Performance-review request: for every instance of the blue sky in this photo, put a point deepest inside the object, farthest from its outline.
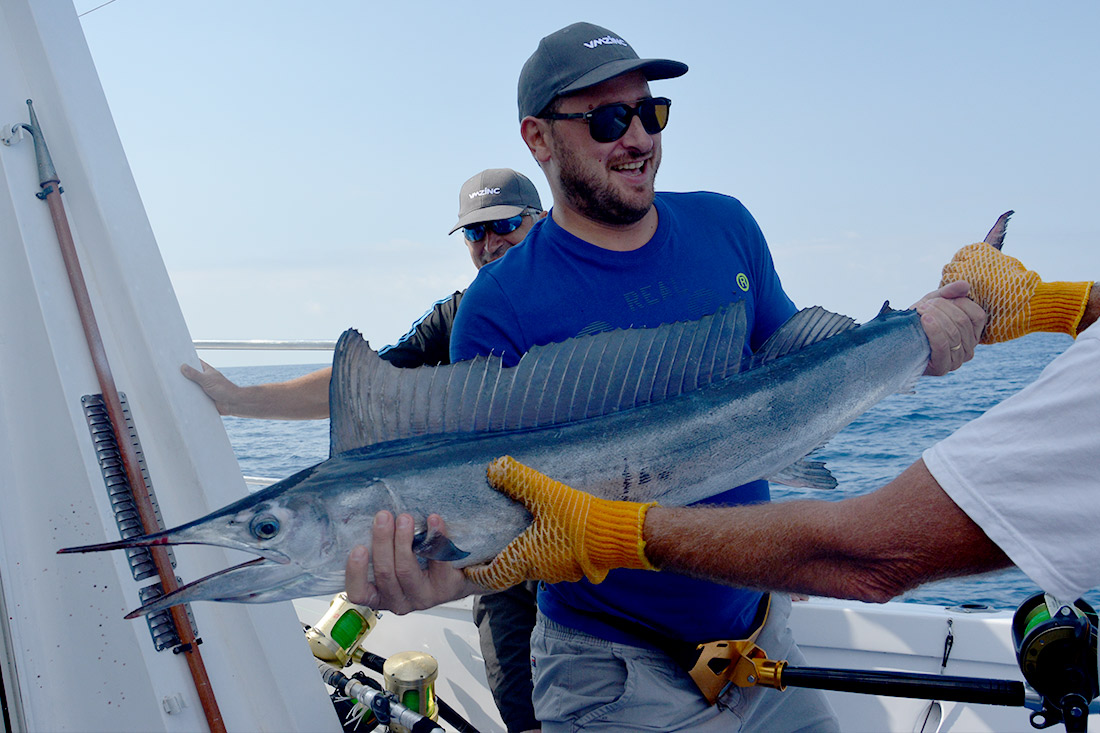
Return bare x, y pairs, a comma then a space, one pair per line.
300, 162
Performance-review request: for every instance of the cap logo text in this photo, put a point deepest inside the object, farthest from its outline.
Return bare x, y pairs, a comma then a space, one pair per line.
606, 40
485, 192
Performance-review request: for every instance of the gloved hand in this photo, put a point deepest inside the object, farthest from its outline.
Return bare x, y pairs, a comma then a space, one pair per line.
573, 535
1017, 300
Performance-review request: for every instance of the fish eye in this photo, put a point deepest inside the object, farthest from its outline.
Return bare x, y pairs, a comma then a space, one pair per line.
264, 527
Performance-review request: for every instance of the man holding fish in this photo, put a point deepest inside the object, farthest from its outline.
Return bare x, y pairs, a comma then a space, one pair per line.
615, 254
976, 501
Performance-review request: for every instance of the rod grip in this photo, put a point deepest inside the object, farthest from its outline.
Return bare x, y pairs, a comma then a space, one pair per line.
908, 684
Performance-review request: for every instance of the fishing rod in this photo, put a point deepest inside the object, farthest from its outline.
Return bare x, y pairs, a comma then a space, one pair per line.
1056, 648
51, 192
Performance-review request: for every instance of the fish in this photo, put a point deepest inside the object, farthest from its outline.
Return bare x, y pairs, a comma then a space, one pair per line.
996, 236
673, 414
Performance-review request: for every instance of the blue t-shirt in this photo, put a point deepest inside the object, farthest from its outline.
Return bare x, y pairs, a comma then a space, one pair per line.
707, 251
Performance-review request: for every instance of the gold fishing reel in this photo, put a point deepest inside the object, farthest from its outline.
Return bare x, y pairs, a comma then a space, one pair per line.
410, 676
336, 637
409, 694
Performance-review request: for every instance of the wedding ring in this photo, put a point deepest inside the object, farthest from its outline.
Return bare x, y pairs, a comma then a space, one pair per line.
956, 347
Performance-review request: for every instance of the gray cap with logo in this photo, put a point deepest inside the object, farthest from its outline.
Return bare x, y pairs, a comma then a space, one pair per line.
497, 193
579, 56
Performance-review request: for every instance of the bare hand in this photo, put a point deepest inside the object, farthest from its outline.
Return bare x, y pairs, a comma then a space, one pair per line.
216, 386
400, 584
953, 324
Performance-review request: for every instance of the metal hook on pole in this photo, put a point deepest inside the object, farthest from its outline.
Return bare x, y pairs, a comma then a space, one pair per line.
51, 191
11, 134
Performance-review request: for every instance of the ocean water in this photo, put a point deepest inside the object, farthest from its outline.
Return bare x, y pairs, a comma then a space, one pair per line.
864, 456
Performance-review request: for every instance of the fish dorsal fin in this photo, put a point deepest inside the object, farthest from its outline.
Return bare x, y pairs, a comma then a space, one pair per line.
806, 327
371, 401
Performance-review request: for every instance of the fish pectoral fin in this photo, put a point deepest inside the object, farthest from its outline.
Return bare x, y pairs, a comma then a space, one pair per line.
436, 546
805, 474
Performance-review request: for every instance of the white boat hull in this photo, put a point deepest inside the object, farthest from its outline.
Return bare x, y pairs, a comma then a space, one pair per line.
907, 637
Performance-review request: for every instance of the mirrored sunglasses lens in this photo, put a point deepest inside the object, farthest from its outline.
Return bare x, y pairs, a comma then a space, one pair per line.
654, 115
475, 233
609, 123
506, 226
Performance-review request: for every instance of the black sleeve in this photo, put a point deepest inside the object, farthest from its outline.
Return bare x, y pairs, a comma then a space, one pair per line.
428, 342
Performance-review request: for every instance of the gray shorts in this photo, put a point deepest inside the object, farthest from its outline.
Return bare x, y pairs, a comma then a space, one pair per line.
586, 683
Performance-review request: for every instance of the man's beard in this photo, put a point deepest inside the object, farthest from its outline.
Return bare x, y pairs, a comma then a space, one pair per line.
598, 200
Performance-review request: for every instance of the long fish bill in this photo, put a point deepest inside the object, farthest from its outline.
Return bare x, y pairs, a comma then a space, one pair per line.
255, 581
149, 540
200, 532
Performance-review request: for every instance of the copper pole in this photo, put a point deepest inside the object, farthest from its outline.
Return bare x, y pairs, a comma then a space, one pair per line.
51, 192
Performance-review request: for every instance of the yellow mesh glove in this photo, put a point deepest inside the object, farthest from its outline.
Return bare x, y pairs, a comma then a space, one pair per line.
574, 534
1017, 300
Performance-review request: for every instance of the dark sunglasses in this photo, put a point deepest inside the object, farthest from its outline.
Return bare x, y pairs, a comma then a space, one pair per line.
610, 122
476, 232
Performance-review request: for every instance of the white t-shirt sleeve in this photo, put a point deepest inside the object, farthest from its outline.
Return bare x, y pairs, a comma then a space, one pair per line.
1028, 472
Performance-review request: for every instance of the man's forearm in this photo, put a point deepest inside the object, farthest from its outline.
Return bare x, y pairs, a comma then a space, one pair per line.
870, 548
304, 398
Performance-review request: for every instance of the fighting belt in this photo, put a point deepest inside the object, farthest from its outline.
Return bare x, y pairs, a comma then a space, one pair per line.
713, 664
718, 663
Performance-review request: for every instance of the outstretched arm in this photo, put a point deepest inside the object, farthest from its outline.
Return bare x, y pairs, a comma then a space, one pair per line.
869, 548
304, 398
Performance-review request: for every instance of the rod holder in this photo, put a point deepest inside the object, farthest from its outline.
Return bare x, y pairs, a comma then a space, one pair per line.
11, 134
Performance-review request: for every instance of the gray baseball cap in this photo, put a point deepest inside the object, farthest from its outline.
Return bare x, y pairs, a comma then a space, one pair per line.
579, 56
497, 193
